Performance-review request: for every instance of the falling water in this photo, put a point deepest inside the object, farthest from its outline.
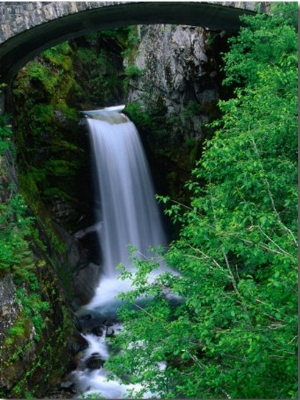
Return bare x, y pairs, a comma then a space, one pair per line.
129, 216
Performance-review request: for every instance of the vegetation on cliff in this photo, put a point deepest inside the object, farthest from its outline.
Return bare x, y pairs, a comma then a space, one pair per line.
47, 147
235, 333
49, 92
34, 318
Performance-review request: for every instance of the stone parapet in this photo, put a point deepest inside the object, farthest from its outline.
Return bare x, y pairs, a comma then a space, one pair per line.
16, 17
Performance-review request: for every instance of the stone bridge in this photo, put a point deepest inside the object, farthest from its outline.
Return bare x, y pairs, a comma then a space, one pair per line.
27, 28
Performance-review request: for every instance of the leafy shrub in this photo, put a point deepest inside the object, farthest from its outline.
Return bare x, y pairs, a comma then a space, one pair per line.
234, 334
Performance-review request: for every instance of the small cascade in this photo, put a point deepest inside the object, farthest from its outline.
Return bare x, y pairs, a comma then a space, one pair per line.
129, 217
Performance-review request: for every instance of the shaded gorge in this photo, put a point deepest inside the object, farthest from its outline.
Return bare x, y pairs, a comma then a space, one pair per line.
56, 167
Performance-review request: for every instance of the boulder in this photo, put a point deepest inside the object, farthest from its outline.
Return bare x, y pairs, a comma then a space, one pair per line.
94, 361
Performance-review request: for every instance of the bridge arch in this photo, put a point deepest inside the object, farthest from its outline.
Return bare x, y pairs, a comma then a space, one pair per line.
23, 37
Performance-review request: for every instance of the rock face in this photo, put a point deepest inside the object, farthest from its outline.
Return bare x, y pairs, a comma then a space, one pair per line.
34, 320
175, 84
31, 345
177, 74
55, 270
9, 308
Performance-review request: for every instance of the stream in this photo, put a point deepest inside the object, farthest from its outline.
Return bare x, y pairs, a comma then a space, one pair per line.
129, 216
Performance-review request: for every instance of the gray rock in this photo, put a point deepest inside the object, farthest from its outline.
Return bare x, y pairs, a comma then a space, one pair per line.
109, 332
176, 71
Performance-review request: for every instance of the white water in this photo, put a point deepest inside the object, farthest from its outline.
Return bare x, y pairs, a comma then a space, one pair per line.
130, 216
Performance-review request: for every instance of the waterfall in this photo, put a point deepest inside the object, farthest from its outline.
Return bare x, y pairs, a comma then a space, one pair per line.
129, 216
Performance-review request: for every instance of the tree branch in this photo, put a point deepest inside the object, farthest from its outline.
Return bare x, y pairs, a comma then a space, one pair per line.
269, 191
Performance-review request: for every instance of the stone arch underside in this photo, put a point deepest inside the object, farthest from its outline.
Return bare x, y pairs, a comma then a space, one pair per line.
22, 47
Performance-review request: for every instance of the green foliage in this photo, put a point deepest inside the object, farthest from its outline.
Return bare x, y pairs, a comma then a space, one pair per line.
17, 329
102, 82
93, 396
255, 48
130, 53
40, 103
34, 308
51, 352
39, 73
16, 257
192, 108
21, 255
48, 94
5, 135
60, 56
132, 71
15, 226
132, 42
98, 61
138, 115
234, 334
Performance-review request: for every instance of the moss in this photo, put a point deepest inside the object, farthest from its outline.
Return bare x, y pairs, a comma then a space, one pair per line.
37, 379
39, 338
31, 193
40, 320
16, 341
52, 164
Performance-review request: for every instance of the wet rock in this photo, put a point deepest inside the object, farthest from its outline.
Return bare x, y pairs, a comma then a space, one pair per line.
65, 390
84, 283
109, 332
87, 317
80, 322
79, 344
9, 308
97, 331
67, 385
107, 322
60, 117
90, 324
94, 362
61, 211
